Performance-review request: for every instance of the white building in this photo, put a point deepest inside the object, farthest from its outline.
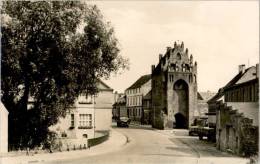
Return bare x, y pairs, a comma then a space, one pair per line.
89, 114
134, 98
3, 129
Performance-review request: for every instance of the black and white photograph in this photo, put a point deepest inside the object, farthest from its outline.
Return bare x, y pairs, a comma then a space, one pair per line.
129, 82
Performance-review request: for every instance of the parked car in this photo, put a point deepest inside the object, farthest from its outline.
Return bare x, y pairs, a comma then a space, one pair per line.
123, 122
202, 129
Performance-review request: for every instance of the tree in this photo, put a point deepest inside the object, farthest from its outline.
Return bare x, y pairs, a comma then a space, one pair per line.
46, 63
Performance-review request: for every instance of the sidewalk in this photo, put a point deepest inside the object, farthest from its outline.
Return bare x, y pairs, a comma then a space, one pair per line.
206, 151
115, 142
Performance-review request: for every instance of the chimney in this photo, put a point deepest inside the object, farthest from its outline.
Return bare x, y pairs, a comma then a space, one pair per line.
257, 70
241, 68
153, 67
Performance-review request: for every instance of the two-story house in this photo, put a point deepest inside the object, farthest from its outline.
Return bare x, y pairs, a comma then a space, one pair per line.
134, 98
89, 114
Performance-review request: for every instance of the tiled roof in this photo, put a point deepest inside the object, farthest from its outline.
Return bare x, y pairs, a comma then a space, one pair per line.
142, 80
233, 82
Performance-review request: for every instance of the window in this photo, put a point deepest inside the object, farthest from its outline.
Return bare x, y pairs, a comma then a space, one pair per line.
72, 121
178, 56
85, 121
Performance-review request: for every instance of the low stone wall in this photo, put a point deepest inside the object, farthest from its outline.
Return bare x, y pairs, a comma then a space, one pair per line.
101, 136
235, 132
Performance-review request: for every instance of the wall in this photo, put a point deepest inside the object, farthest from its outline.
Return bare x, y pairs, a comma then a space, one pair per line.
3, 129
158, 100
103, 109
103, 118
235, 132
123, 111
135, 100
173, 104
64, 124
249, 110
104, 99
202, 107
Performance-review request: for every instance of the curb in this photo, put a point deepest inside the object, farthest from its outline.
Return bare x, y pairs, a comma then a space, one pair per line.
117, 137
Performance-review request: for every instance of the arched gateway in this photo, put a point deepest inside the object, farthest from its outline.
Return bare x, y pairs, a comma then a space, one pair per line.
181, 90
174, 89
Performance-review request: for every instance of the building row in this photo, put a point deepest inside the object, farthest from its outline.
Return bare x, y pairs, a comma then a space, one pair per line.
168, 97
234, 111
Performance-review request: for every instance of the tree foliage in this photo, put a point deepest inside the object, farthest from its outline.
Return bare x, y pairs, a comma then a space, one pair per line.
47, 62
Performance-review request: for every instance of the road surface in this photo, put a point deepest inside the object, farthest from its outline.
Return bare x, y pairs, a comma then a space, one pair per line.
146, 145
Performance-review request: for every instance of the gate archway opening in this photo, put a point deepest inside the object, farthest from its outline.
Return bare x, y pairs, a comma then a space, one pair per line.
181, 89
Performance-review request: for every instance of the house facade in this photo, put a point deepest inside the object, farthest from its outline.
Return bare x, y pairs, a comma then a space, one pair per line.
134, 98
147, 104
3, 129
203, 98
119, 107
89, 114
237, 113
174, 89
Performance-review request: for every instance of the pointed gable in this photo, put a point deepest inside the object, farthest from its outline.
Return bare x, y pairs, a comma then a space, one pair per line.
103, 86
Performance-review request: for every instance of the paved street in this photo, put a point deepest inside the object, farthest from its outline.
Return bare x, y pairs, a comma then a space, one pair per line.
146, 145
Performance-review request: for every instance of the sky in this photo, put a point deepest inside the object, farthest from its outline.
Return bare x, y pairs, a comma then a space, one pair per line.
219, 34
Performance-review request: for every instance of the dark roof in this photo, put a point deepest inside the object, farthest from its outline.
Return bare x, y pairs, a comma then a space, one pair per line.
217, 96
242, 84
148, 95
142, 80
230, 84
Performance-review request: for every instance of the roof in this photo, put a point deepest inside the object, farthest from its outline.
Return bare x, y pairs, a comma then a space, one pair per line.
217, 96
148, 95
103, 86
205, 95
142, 80
239, 79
